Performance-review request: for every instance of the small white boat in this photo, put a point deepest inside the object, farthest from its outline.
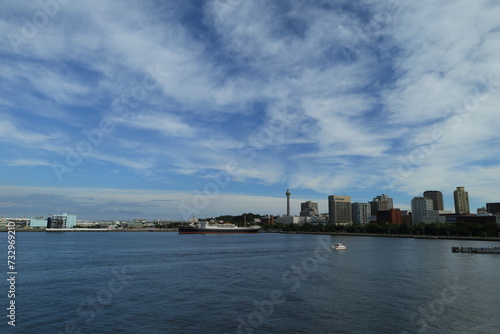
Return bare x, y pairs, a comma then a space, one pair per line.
339, 246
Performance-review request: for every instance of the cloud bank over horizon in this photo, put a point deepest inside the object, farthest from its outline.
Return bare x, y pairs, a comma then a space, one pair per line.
244, 99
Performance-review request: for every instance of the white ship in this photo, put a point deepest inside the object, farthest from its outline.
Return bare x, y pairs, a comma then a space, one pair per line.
205, 227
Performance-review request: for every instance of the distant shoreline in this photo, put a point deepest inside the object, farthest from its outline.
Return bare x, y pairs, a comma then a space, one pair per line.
441, 237
56, 230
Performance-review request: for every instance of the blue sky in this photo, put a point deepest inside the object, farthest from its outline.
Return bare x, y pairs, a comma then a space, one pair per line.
169, 109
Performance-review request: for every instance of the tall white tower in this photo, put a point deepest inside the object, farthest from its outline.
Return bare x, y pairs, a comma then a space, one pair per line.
288, 193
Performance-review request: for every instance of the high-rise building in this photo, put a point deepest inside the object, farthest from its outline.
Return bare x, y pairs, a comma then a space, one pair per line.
461, 201
493, 208
360, 212
419, 207
339, 209
437, 199
382, 202
309, 209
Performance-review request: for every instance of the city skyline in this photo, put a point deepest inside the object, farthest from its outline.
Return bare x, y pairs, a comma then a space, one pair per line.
179, 109
274, 205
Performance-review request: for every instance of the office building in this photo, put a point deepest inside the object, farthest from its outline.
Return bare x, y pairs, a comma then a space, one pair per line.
437, 199
461, 198
339, 209
391, 216
382, 202
360, 212
309, 209
493, 208
471, 219
61, 221
419, 207
405, 217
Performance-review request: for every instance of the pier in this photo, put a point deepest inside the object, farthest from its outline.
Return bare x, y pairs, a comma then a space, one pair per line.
490, 250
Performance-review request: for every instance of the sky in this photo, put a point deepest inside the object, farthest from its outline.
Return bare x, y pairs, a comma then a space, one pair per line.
179, 109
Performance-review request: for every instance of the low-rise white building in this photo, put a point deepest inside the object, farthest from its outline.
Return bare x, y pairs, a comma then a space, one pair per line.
435, 216
38, 222
299, 220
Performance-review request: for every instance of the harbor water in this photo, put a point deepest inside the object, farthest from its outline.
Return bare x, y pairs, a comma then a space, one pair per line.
146, 282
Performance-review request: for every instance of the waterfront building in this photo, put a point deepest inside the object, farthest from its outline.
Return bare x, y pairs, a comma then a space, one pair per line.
339, 209
461, 198
406, 217
70, 220
437, 199
267, 219
19, 222
474, 219
391, 216
493, 208
297, 220
309, 209
38, 222
419, 207
382, 202
61, 221
436, 216
360, 213
56, 222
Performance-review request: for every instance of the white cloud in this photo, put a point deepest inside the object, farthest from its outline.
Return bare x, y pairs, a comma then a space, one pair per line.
27, 163
135, 164
17, 135
166, 124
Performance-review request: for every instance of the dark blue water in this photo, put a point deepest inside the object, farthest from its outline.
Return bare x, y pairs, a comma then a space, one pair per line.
140, 282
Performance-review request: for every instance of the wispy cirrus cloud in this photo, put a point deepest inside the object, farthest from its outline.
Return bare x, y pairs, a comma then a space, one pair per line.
28, 163
165, 124
18, 135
